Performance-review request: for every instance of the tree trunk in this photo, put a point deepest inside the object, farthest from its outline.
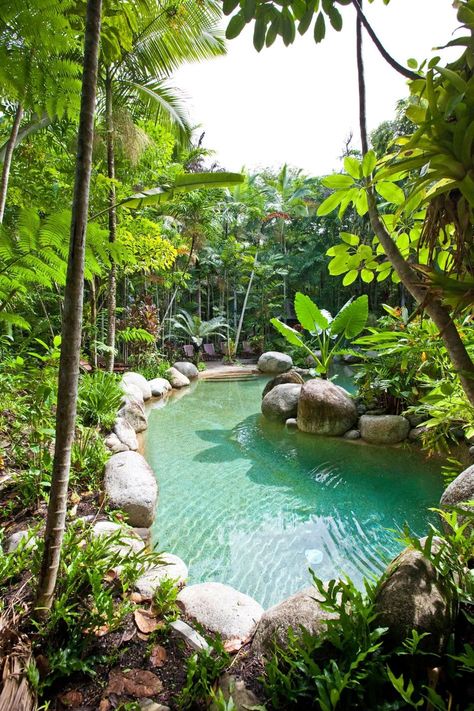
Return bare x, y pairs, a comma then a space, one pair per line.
7, 163
244, 305
93, 303
72, 319
112, 279
439, 314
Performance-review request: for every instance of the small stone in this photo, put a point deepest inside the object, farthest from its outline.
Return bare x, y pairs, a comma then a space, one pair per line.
149, 705
126, 433
361, 408
243, 698
13, 541
416, 434
291, 423
352, 434
186, 632
114, 444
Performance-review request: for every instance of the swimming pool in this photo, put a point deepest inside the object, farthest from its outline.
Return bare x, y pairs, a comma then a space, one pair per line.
246, 502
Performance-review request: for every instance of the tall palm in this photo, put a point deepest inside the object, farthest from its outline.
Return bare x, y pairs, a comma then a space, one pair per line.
164, 37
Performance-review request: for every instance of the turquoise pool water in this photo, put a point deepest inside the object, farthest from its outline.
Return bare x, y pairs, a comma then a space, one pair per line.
245, 502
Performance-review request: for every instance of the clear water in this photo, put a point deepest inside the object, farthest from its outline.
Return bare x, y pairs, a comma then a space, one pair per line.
245, 502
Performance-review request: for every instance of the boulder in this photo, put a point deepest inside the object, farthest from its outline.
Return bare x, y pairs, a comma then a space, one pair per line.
352, 434
131, 392
290, 377
416, 434
173, 568
139, 381
274, 362
12, 542
325, 408
220, 608
412, 596
299, 610
460, 490
130, 485
114, 444
384, 429
177, 379
130, 542
134, 414
159, 387
186, 368
125, 433
281, 402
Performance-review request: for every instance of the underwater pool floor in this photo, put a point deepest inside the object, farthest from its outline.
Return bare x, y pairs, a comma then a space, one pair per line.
248, 503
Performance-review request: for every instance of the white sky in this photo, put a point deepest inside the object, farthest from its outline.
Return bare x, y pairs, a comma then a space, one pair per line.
298, 104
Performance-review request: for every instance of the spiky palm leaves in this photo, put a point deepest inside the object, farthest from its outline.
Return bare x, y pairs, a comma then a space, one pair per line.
196, 329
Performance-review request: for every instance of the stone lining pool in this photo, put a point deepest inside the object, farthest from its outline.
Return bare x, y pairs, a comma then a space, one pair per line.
246, 502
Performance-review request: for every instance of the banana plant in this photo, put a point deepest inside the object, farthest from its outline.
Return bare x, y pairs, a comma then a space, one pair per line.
326, 331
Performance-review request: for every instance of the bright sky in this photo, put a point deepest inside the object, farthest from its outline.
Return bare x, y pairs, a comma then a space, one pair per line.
298, 104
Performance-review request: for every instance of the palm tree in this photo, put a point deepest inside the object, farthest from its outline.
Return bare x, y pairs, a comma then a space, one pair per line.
72, 318
164, 37
196, 329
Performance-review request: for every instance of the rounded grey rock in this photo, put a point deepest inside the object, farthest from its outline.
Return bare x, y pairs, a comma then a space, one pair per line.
186, 368
384, 429
460, 490
130, 485
299, 610
325, 408
274, 362
125, 433
352, 434
139, 381
177, 379
173, 568
220, 608
134, 414
291, 376
114, 444
281, 402
159, 387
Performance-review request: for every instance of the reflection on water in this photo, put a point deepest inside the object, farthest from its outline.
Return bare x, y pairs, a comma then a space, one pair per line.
246, 502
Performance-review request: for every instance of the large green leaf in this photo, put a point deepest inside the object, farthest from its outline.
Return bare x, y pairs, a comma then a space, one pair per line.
289, 333
352, 318
308, 314
181, 184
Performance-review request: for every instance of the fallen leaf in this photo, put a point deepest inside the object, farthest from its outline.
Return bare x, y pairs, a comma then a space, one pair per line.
233, 645
145, 621
110, 576
158, 656
105, 705
142, 636
71, 698
75, 498
134, 682
136, 597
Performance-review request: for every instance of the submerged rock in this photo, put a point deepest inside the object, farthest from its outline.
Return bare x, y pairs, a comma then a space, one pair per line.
325, 408
159, 387
130, 485
187, 369
299, 610
274, 362
384, 429
177, 379
220, 608
413, 597
139, 381
281, 402
289, 377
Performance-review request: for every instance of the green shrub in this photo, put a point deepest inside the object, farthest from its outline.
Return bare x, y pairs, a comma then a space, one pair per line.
150, 364
202, 670
99, 399
88, 457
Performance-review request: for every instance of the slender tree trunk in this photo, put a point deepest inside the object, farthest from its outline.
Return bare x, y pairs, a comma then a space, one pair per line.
36, 124
439, 314
93, 303
244, 305
112, 279
72, 319
7, 163
199, 299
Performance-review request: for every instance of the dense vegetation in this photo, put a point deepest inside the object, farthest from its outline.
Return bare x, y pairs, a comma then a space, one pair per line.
180, 252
